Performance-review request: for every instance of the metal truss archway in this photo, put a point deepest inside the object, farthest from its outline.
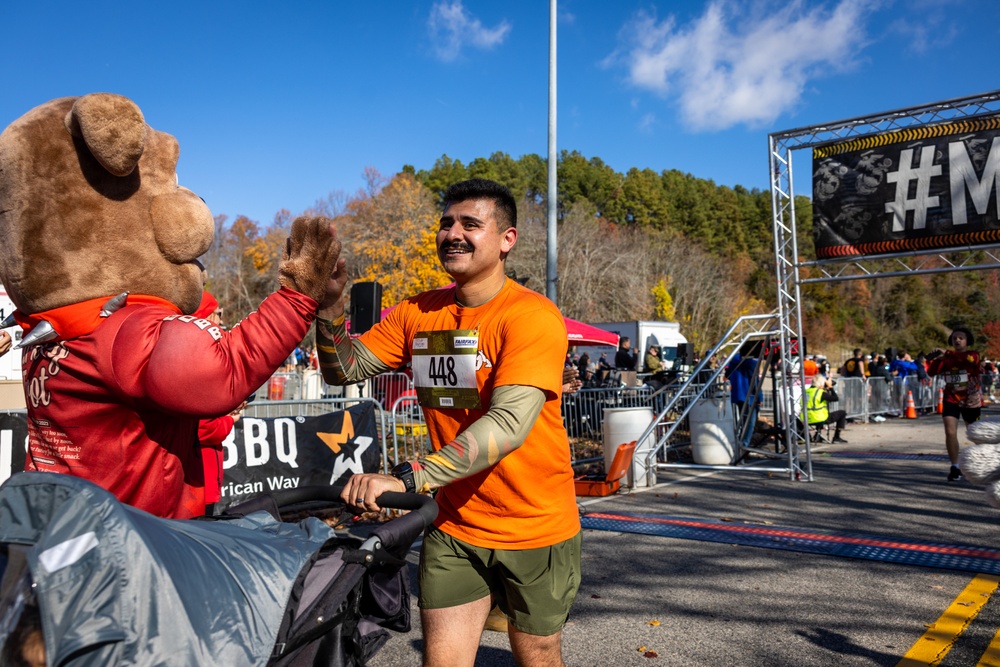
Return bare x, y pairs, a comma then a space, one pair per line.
786, 254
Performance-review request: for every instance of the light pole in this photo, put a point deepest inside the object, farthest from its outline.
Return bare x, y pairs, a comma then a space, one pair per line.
553, 189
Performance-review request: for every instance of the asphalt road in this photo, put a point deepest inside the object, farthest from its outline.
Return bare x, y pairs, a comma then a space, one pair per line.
694, 602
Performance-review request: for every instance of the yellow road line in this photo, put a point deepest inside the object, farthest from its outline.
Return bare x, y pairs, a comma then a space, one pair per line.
941, 635
991, 658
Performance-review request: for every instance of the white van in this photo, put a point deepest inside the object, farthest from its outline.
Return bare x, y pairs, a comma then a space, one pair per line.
642, 333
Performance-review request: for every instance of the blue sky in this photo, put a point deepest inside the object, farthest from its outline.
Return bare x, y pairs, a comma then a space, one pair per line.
277, 105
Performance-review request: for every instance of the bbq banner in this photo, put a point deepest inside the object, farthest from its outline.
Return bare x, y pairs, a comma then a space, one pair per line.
925, 188
262, 455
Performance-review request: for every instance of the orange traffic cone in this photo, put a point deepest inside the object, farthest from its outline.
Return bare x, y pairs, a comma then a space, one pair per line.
940, 405
911, 410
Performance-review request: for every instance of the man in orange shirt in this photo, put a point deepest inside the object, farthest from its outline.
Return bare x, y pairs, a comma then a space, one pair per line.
487, 356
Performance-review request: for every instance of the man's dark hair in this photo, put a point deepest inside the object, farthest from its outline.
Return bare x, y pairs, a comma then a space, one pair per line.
857, 351
481, 188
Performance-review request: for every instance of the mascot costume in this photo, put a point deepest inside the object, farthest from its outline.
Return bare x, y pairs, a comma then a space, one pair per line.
99, 252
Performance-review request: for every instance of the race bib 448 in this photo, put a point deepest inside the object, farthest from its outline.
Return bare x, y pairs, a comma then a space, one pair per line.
444, 369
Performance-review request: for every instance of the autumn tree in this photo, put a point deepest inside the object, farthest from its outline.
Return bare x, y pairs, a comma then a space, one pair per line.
389, 237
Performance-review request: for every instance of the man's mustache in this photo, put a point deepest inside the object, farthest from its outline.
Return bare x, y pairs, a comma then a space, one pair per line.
456, 245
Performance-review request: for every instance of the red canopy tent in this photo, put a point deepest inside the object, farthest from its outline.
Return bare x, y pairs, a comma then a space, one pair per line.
585, 334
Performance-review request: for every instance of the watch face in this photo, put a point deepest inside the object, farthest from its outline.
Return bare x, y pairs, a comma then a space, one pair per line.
404, 472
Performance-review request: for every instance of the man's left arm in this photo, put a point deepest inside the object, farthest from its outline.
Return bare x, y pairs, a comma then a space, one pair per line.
505, 426
500, 431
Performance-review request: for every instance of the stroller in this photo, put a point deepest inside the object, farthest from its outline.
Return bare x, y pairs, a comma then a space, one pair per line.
89, 581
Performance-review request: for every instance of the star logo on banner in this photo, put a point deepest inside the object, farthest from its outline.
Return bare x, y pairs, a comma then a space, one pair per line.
336, 441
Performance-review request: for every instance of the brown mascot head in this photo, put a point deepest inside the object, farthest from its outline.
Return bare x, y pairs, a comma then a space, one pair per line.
90, 208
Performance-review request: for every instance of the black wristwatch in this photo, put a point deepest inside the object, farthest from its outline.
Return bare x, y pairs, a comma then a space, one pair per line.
404, 472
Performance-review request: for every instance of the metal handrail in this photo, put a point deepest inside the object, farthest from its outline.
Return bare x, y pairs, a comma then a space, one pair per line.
687, 391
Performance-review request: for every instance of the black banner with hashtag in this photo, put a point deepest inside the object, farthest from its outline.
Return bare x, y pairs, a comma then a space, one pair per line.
928, 188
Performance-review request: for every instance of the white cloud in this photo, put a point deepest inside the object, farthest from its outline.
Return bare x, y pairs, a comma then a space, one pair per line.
452, 28
728, 68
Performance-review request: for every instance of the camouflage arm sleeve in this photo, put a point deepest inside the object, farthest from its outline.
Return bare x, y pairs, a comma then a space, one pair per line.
341, 360
496, 434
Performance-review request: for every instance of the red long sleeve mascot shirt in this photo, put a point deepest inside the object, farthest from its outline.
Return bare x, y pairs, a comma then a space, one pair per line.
117, 399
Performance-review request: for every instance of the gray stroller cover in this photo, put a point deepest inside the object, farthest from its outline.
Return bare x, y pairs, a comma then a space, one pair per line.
111, 585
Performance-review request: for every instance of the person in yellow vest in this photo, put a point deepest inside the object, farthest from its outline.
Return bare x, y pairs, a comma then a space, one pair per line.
819, 396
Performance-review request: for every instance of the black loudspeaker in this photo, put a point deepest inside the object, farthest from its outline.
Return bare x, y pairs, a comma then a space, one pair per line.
891, 352
366, 306
685, 354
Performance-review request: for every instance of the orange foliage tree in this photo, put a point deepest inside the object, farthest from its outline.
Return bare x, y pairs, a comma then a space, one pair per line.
389, 237
242, 264
991, 333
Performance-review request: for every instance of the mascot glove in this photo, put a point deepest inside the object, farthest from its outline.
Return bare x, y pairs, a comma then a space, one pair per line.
993, 494
984, 432
310, 257
980, 464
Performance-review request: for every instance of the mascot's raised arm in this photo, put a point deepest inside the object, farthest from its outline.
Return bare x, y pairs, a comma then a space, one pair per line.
99, 252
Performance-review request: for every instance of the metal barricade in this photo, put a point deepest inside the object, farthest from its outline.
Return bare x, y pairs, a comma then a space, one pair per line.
583, 415
410, 437
853, 395
282, 386
404, 432
922, 391
889, 398
307, 384
387, 388
880, 398
273, 409
898, 394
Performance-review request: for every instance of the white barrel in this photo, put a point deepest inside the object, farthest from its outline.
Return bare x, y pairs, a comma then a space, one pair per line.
623, 425
712, 431
312, 385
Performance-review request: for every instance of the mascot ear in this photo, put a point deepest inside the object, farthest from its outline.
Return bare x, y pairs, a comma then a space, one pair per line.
113, 129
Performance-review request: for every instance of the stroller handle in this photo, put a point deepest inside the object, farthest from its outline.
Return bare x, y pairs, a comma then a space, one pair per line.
422, 505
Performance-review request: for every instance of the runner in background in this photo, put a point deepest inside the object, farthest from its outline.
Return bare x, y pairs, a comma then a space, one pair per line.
960, 369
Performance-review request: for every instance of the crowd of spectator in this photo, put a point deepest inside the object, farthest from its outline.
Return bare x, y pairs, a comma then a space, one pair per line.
899, 364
